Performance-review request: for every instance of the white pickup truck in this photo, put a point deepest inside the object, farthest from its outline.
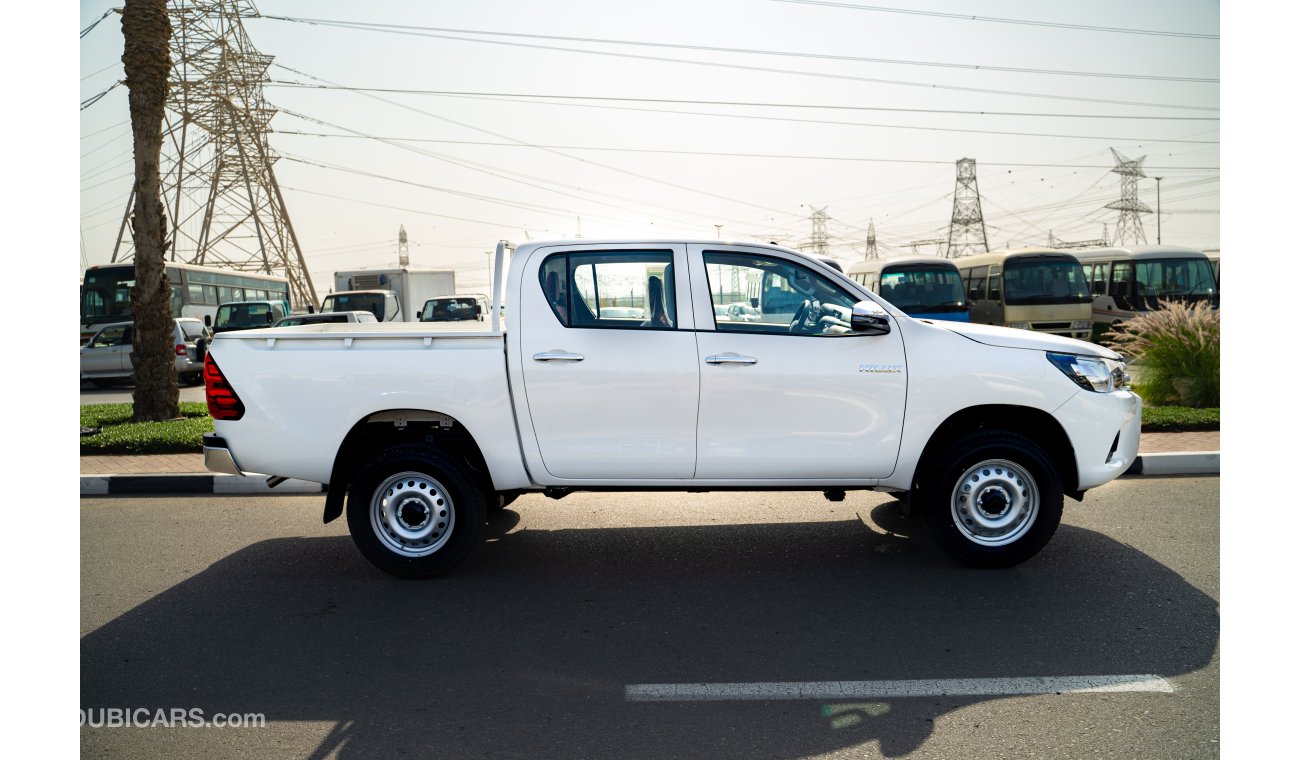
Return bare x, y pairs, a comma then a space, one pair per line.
419, 430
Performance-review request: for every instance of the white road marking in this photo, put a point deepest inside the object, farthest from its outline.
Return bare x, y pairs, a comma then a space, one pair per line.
939, 687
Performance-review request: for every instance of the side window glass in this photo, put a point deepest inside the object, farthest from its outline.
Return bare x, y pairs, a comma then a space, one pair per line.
109, 337
978, 276
759, 294
616, 289
1121, 272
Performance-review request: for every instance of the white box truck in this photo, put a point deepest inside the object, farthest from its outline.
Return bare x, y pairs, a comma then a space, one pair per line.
392, 295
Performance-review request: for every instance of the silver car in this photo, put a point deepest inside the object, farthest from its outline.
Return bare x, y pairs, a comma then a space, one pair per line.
106, 357
325, 317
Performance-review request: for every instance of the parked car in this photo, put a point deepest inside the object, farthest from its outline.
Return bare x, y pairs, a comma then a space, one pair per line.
453, 309
621, 312
325, 318
246, 315
106, 357
742, 312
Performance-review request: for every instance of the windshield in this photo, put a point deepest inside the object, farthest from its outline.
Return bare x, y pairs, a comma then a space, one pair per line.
444, 309
923, 290
371, 302
1044, 280
242, 315
1166, 278
106, 294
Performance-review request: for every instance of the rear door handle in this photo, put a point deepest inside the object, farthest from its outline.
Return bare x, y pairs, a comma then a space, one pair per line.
730, 358
557, 356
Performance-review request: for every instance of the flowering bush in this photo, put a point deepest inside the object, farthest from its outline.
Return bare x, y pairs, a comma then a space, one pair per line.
1175, 350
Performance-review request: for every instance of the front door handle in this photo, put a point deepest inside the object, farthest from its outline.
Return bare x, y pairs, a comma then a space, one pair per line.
730, 359
557, 356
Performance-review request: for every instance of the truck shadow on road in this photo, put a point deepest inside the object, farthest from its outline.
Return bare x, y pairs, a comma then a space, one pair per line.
525, 651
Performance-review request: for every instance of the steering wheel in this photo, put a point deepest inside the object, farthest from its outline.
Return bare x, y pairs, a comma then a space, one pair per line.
800, 316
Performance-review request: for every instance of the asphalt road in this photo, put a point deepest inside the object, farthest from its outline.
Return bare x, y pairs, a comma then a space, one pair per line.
250, 605
121, 394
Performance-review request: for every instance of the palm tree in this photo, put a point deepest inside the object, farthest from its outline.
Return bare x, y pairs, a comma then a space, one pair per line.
146, 34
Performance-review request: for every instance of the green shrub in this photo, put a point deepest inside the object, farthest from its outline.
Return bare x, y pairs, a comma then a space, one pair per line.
118, 435
1177, 419
1174, 351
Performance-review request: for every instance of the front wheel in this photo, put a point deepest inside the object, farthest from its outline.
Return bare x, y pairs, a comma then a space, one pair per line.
991, 499
414, 512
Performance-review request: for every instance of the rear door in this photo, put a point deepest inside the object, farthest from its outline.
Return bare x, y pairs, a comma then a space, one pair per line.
610, 396
795, 395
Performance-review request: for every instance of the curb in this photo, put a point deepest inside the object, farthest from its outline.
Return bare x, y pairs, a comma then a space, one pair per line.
196, 483
1175, 463
1155, 465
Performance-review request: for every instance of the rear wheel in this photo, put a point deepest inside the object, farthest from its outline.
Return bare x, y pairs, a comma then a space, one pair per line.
991, 498
415, 512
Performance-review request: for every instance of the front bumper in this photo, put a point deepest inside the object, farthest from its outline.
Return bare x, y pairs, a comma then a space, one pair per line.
1104, 429
217, 456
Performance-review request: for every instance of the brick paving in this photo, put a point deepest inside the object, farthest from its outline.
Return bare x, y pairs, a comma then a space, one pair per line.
1152, 443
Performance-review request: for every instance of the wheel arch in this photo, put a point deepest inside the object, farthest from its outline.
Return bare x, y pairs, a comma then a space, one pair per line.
1035, 424
391, 427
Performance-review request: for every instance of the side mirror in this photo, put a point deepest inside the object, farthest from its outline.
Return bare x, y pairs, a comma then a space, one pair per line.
974, 295
869, 319
200, 348
207, 320
270, 317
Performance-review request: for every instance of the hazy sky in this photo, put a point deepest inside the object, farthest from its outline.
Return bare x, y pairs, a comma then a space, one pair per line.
615, 159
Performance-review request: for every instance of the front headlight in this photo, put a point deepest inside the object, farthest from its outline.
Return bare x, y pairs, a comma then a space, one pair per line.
1081, 324
1091, 373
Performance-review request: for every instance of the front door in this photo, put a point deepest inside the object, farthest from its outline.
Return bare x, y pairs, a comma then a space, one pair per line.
794, 394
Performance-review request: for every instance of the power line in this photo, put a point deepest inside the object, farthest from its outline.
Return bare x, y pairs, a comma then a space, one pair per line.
549, 183
92, 100
95, 23
750, 116
740, 51
994, 19
719, 154
741, 67
750, 104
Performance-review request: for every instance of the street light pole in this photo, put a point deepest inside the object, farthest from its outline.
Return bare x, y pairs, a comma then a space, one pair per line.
1158, 241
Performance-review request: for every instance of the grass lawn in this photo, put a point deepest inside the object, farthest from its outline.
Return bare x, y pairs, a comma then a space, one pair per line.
118, 435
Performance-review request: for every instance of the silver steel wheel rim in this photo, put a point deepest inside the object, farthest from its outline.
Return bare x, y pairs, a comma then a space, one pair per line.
994, 502
412, 514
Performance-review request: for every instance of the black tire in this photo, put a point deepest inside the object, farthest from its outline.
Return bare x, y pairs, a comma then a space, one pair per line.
436, 524
1017, 479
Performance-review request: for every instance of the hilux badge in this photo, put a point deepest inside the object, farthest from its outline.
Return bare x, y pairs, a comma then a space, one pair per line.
886, 369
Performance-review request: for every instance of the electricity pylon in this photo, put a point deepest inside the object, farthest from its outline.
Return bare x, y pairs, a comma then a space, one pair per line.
872, 251
223, 202
966, 231
1129, 230
819, 242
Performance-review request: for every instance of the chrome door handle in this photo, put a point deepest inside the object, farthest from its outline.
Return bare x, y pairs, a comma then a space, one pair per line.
730, 359
557, 356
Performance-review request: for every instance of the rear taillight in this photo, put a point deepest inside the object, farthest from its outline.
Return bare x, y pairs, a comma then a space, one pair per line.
180, 349
223, 402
